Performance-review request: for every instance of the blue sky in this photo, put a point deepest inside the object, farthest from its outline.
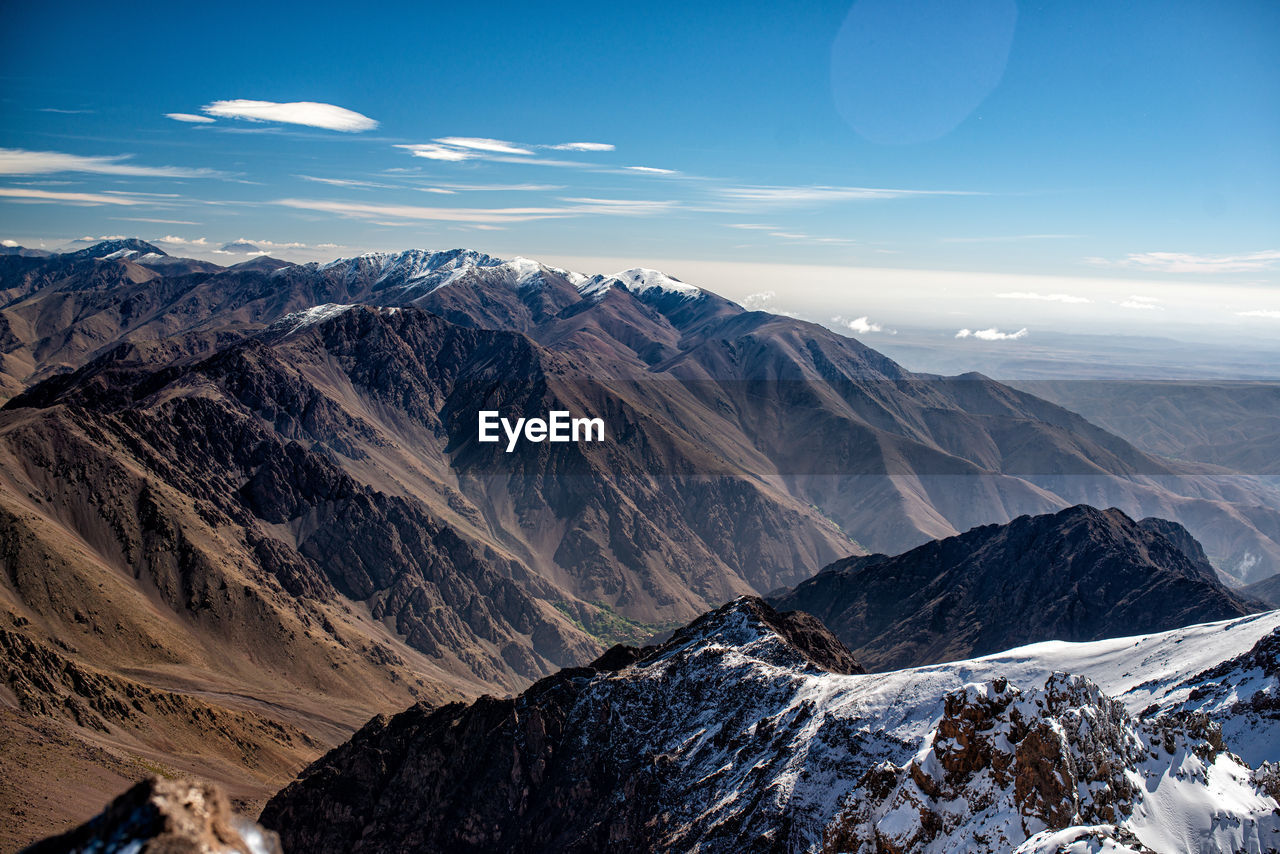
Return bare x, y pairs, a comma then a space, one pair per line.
1041, 165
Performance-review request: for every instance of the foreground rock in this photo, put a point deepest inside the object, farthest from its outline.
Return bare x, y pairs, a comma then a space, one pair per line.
752, 731
160, 816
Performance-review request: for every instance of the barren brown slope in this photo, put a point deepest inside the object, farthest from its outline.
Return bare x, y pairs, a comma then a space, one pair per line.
900, 458
299, 527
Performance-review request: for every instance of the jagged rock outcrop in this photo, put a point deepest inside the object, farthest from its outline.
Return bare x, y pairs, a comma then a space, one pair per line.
160, 816
1004, 765
731, 738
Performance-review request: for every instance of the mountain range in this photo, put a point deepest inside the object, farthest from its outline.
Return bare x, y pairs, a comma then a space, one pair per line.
740, 734
243, 509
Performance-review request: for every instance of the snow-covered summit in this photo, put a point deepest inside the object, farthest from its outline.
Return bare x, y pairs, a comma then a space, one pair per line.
418, 272
117, 248
640, 281
410, 265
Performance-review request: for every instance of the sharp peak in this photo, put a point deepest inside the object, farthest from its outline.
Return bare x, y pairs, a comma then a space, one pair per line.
123, 247
749, 620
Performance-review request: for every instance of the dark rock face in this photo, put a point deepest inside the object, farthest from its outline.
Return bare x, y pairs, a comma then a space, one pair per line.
1080, 574
1268, 590
573, 764
1183, 541
160, 816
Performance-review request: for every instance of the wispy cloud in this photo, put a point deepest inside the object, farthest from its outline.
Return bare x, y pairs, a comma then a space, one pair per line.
18, 161
1011, 238
347, 182
1032, 295
67, 198
992, 334
159, 221
785, 195
174, 240
308, 113
64, 112
1183, 262
622, 207
582, 146
473, 143
190, 118
492, 216
271, 244
431, 151
790, 236
1261, 312
458, 149
1141, 303
384, 212
800, 237
503, 188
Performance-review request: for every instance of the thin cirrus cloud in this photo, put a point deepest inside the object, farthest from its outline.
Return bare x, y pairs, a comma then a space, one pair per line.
493, 146
308, 113
456, 149
620, 207
432, 151
1032, 295
582, 146
800, 237
383, 212
790, 236
1010, 238
18, 161
992, 334
388, 213
154, 220
1183, 262
501, 188
1142, 303
33, 195
651, 170
818, 194
190, 118
1261, 312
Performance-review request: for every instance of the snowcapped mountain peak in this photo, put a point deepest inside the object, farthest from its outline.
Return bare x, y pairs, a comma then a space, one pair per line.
409, 265
300, 320
116, 248
418, 272
640, 281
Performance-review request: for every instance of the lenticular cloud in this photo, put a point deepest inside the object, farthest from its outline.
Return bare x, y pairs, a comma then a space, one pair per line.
308, 113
